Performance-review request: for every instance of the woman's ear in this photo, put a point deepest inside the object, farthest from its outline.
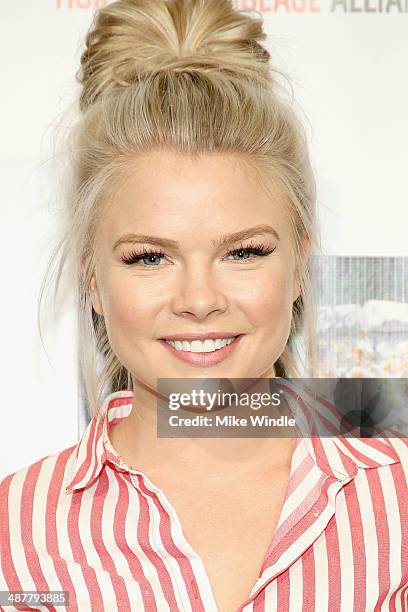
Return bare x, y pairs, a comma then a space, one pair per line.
305, 250
95, 297
93, 292
296, 286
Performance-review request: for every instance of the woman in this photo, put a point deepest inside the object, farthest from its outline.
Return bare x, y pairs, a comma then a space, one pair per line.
192, 217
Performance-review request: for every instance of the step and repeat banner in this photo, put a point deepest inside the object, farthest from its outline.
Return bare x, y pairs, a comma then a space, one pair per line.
347, 61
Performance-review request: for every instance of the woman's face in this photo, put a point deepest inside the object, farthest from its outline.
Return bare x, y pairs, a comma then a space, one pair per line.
198, 286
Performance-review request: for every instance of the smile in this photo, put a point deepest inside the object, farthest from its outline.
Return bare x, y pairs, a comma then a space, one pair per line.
201, 346
206, 352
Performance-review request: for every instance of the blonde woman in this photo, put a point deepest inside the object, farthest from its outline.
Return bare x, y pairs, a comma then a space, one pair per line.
192, 220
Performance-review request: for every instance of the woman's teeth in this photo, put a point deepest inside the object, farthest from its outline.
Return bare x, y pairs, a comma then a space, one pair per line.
200, 346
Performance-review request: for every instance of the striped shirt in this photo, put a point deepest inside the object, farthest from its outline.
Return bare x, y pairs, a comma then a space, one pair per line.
83, 522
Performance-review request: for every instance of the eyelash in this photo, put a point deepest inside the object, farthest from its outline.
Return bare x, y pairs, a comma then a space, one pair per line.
260, 250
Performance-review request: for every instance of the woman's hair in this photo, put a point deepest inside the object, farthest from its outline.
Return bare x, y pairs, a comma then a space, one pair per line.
189, 76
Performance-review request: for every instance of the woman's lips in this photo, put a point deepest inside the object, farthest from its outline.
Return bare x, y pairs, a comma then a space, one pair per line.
204, 359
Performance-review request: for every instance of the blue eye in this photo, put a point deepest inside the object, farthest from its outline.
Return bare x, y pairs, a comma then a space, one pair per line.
259, 250
147, 255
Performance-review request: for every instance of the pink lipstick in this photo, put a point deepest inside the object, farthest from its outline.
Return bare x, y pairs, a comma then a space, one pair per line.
203, 359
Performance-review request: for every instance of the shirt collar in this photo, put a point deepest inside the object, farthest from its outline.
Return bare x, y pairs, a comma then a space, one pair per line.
338, 456
95, 448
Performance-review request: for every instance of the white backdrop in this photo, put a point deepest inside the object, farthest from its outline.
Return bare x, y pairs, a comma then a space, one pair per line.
348, 62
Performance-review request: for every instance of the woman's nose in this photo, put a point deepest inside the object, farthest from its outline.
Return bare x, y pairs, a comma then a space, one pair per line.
198, 293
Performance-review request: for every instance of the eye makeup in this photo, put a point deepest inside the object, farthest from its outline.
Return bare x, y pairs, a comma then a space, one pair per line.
134, 257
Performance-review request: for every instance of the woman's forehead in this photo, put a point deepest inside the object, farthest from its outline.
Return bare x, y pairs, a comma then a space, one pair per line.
160, 174
211, 191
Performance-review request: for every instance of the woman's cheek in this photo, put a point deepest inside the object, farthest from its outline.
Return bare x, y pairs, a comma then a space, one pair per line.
269, 299
125, 311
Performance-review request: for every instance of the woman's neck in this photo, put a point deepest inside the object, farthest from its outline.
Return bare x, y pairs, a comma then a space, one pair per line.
136, 442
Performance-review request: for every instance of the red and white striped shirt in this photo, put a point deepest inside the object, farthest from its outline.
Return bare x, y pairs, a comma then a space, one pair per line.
83, 522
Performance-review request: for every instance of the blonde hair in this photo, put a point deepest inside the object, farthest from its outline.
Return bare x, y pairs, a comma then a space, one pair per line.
190, 76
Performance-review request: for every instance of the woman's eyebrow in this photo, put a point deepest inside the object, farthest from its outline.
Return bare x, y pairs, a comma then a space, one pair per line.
218, 242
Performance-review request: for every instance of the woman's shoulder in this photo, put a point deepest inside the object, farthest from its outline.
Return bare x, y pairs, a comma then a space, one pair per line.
386, 453
42, 480
399, 445
34, 505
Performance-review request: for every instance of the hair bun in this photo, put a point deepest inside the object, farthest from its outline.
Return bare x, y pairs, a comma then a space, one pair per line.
132, 39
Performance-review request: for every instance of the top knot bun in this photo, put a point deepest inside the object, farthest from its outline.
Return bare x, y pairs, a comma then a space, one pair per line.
131, 39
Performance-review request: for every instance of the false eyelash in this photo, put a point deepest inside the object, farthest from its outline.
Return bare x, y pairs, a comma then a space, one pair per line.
134, 257
258, 249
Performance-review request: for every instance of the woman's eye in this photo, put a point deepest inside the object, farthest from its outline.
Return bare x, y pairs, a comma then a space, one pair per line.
243, 252
149, 258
